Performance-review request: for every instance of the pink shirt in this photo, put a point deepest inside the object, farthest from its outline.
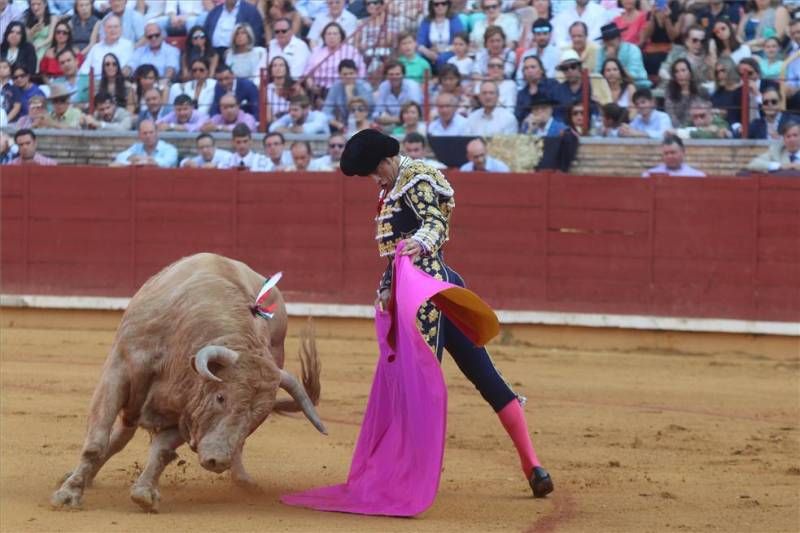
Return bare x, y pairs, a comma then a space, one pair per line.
632, 31
38, 159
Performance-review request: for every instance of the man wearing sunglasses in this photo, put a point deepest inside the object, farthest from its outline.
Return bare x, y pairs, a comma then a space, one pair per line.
544, 48
694, 51
773, 117
165, 57
285, 44
330, 161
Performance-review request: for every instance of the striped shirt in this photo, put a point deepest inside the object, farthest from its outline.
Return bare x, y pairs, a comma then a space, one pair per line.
326, 69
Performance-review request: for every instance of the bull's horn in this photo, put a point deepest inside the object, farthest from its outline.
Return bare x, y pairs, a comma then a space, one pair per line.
213, 354
290, 384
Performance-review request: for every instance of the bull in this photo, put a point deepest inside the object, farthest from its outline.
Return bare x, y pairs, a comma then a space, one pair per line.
193, 362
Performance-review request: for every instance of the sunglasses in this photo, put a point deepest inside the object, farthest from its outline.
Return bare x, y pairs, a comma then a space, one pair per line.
281, 31
198, 36
495, 65
336, 145
62, 32
441, 3
359, 109
492, 6
571, 66
695, 40
153, 36
199, 69
770, 101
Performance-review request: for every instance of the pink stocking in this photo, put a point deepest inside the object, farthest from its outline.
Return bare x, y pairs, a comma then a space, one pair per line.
513, 419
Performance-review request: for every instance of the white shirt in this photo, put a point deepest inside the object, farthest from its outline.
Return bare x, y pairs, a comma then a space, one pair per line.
265, 163
204, 100
251, 161
186, 7
346, 20
123, 49
458, 126
155, 8
221, 159
322, 164
223, 32
492, 165
296, 54
499, 122
594, 16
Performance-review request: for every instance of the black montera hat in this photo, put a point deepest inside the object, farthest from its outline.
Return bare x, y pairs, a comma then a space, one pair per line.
365, 150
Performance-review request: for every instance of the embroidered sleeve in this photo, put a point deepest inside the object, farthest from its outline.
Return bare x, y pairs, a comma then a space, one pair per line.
386, 279
424, 201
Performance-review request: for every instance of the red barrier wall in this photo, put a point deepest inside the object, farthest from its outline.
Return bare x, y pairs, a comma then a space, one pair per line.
715, 247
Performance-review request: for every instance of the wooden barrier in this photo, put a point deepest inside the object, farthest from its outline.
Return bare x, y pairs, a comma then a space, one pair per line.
714, 247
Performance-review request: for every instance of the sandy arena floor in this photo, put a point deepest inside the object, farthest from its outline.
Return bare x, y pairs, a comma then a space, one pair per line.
640, 431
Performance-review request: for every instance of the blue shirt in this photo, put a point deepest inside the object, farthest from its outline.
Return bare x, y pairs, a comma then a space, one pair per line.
167, 56
631, 58
655, 128
387, 102
316, 122
81, 88
492, 165
165, 155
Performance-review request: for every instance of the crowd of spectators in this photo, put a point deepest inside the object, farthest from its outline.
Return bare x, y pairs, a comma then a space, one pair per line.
674, 69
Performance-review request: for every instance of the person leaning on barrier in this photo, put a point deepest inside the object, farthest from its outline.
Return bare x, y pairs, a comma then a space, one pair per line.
479, 161
275, 157
149, 151
183, 117
414, 147
208, 155
27, 147
301, 157
301, 118
330, 161
783, 155
63, 115
672, 154
243, 157
107, 115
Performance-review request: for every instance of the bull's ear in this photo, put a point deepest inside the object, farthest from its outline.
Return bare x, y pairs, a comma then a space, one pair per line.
212, 354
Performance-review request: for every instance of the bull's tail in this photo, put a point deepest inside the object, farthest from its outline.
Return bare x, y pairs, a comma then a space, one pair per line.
310, 368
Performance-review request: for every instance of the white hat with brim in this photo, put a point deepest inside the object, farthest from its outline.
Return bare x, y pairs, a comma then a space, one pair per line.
569, 56
58, 90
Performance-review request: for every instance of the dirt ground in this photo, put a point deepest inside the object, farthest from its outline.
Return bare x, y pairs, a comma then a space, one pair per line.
641, 431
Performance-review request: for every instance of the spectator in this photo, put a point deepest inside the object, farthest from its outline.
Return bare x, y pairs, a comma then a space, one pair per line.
631, 22
590, 13
37, 114
62, 40
114, 43
448, 122
6, 84
629, 56
301, 157
693, 52
330, 161
450, 82
587, 51
416, 65
507, 22
301, 119
197, 46
750, 74
682, 87
275, 10
414, 147
107, 115
276, 156
727, 89
83, 22
243, 157
244, 57
393, 92
280, 88
507, 89
649, 121
575, 120
620, 84
230, 114
664, 24
773, 116
40, 25
183, 117
723, 42
16, 48
154, 108
792, 68
8, 150
461, 59
784, 155
495, 48
9, 12
718, 9
63, 115
771, 63
144, 79
358, 118
613, 117
222, 19
322, 68
410, 120
202, 89
245, 91
131, 22
163, 56
345, 20
113, 82
182, 14
149, 151
25, 140
540, 122
437, 32
672, 155
545, 49
341, 92
208, 155
76, 84
285, 44
571, 89
24, 89
478, 161
489, 120
761, 20
376, 36
704, 124
536, 82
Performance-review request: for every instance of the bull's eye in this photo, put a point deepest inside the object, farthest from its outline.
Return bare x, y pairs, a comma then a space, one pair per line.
220, 399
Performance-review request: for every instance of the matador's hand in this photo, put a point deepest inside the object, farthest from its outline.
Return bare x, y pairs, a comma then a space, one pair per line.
412, 248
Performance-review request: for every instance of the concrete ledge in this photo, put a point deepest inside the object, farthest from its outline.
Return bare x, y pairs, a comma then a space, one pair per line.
657, 323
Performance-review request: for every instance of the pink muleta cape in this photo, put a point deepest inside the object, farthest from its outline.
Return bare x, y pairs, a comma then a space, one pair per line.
398, 458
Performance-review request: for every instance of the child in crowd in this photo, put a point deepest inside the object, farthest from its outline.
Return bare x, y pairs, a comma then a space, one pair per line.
415, 64
461, 59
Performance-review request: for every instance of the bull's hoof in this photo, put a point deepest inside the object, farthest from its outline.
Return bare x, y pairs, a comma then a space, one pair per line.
247, 483
63, 478
146, 497
66, 497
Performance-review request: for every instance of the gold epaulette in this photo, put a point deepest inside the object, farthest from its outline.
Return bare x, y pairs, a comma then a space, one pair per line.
415, 171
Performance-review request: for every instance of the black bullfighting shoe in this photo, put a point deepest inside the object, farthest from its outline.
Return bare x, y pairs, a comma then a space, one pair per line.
541, 483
